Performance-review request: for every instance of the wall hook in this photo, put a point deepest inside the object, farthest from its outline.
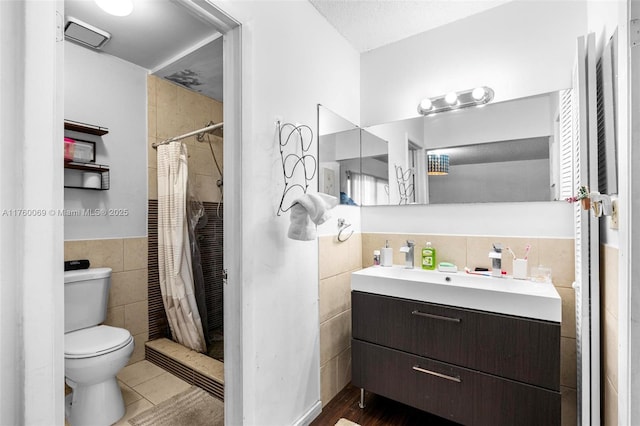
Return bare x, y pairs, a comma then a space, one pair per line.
342, 226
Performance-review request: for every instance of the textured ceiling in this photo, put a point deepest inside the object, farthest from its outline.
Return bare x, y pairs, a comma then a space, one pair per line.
369, 24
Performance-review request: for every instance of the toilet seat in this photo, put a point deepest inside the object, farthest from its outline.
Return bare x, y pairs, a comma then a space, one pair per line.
95, 341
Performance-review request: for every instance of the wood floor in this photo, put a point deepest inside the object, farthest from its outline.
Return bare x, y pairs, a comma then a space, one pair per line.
378, 411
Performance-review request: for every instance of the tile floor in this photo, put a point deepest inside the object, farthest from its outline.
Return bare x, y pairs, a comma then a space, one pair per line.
144, 385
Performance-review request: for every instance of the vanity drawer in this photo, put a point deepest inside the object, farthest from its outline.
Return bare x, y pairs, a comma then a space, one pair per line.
516, 348
455, 393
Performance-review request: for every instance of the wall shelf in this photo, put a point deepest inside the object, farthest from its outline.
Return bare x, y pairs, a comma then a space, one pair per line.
85, 128
99, 169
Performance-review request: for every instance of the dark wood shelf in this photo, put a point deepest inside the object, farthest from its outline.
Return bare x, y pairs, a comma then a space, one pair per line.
101, 169
85, 128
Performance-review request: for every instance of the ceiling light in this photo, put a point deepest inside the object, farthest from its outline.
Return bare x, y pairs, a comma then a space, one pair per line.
87, 35
456, 100
451, 98
426, 104
116, 7
478, 93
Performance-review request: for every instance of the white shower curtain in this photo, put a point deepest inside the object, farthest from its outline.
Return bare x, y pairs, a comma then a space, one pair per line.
174, 253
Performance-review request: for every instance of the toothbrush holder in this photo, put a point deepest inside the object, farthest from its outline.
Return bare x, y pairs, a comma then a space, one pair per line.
520, 269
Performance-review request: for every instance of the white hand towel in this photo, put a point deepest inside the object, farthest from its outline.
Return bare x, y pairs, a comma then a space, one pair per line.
307, 209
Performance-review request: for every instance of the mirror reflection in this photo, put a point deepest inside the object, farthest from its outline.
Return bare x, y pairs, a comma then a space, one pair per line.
338, 157
503, 152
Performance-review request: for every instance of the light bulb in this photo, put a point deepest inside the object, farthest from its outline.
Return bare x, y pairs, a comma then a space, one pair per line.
426, 104
478, 93
451, 98
116, 7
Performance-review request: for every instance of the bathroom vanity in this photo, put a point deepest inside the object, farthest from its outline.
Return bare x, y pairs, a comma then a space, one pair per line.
472, 349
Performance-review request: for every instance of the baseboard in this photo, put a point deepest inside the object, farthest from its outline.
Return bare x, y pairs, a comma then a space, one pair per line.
310, 415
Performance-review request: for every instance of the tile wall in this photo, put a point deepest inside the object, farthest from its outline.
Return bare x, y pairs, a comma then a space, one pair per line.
127, 257
609, 333
337, 261
558, 254
172, 111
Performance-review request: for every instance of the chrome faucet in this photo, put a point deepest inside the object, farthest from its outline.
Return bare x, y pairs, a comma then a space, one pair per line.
408, 253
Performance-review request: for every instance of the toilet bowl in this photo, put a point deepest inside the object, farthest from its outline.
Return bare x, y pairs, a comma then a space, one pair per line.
94, 353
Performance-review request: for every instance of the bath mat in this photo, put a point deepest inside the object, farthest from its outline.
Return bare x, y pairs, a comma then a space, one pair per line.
345, 422
193, 407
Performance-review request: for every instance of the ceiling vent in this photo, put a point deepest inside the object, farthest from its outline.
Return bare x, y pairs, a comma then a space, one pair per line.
85, 34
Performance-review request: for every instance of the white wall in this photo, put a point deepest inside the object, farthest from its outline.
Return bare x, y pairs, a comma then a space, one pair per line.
292, 60
519, 49
103, 90
31, 297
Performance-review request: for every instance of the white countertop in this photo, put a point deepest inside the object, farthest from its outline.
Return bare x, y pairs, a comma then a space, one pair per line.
504, 295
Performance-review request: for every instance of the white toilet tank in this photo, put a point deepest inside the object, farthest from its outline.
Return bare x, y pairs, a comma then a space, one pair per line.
86, 293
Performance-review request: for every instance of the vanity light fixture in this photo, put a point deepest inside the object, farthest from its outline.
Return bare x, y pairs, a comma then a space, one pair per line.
456, 100
116, 7
437, 164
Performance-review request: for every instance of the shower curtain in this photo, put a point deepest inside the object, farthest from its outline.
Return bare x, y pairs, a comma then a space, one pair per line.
174, 252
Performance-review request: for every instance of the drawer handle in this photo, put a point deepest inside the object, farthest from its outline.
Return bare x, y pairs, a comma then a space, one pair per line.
434, 373
440, 317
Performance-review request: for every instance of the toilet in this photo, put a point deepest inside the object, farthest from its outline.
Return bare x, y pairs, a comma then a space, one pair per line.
93, 353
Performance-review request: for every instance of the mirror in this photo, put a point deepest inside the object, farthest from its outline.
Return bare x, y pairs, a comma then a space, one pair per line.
502, 152
338, 157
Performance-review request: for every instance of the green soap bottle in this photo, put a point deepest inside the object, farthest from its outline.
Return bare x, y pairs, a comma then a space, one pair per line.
428, 257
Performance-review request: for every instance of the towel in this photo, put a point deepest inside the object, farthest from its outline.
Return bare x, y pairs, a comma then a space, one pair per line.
308, 211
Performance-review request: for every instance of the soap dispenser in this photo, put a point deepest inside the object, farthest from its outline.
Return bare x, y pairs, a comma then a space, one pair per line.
386, 258
428, 257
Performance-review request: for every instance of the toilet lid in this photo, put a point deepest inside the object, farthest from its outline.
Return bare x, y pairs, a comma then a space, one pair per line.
95, 341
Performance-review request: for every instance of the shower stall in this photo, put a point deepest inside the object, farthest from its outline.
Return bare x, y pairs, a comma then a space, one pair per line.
190, 126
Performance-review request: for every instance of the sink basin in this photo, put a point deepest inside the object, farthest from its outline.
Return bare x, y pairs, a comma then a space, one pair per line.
491, 294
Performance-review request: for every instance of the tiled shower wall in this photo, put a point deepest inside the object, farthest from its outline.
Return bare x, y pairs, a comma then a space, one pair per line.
609, 333
472, 251
127, 257
172, 111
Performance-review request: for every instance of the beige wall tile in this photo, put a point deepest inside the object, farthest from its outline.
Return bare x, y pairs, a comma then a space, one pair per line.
478, 249
166, 109
201, 160
216, 111
328, 380
335, 295
334, 257
354, 247
74, 250
568, 362
153, 183
128, 287
568, 325
610, 405
138, 350
152, 122
609, 270
136, 317
335, 336
569, 406
115, 316
344, 368
206, 189
151, 90
135, 253
152, 153
610, 346
101, 253
558, 254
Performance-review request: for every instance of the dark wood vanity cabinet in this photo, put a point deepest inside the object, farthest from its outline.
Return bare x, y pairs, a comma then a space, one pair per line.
472, 367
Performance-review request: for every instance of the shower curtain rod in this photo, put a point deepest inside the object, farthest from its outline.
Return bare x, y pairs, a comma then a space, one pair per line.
186, 135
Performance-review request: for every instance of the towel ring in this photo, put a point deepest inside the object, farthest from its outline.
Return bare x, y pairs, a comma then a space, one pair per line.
343, 225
